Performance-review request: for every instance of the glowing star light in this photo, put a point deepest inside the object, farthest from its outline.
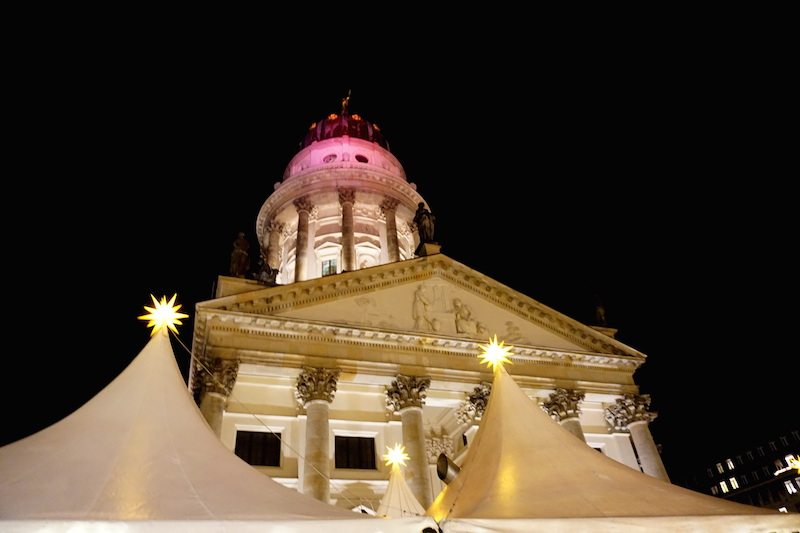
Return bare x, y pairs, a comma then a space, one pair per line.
396, 456
494, 354
164, 314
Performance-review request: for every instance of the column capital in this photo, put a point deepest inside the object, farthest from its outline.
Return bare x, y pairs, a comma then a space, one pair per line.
274, 226
347, 196
407, 391
316, 384
222, 377
475, 405
303, 204
564, 403
389, 204
629, 409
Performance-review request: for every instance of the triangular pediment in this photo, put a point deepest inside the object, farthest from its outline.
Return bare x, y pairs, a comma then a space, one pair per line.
432, 295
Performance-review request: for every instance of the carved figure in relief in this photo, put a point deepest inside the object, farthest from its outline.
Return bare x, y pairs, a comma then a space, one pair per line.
419, 311
240, 259
463, 316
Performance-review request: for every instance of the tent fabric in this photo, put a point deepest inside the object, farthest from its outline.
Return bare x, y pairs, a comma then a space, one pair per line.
523, 465
399, 501
140, 450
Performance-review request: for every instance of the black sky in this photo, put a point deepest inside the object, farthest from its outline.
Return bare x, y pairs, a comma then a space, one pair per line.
652, 184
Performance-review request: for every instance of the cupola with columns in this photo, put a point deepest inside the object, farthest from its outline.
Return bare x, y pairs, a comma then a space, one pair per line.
344, 203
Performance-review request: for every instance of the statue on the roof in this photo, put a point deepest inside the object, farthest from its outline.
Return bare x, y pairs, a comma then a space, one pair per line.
346, 103
425, 222
599, 312
240, 259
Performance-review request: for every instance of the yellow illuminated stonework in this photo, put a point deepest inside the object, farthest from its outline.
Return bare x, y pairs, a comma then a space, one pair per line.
164, 314
396, 456
494, 354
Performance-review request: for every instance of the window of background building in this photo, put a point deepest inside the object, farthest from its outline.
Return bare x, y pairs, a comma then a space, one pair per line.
765, 471
329, 267
739, 460
720, 469
755, 475
790, 488
760, 451
734, 483
715, 490
778, 464
709, 472
730, 464
743, 479
355, 452
784, 441
724, 487
259, 448
772, 446
749, 455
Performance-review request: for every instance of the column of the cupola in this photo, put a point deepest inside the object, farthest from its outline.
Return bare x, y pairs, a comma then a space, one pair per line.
217, 386
315, 390
407, 395
564, 405
274, 230
347, 197
389, 209
304, 207
631, 413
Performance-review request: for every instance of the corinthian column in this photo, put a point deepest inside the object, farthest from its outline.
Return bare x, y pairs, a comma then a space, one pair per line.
564, 406
315, 390
347, 197
304, 207
274, 229
407, 394
631, 413
389, 210
217, 386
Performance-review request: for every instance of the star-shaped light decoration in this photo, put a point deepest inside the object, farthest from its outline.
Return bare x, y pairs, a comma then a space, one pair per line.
494, 354
164, 314
396, 456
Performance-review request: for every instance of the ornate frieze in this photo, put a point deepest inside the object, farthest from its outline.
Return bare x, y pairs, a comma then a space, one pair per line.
316, 384
438, 444
407, 391
221, 375
629, 409
564, 403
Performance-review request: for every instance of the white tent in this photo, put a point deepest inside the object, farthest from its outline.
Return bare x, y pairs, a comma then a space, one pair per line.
523, 472
139, 455
399, 501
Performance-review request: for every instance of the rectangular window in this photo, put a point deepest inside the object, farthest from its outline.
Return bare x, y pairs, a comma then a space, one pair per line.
709, 472
790, 488
784, 441
766, 472
778, 464
796, 434
755, 475
329, 267
355, 452
749, 455
760, 451
724, 487
720, 469
259, 448
739, 460
714, 490
772, 446
743, 479
734, 483
730, 464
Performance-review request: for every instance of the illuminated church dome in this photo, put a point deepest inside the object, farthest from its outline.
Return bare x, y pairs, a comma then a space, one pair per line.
344, 203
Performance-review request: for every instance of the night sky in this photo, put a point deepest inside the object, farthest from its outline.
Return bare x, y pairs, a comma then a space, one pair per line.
651, 187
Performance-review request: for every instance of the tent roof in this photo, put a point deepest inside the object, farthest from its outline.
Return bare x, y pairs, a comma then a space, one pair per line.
141, 450
399, 501
523, 465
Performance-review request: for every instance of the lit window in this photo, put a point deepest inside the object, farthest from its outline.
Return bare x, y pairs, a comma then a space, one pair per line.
724, 486
719, 468
730, 464
259, 448
715, 490
782, 510
734, 483
790, 488
329, 267
789, 458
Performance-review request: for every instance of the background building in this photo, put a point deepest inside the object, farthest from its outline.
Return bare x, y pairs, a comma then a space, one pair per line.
362, 345
749, 476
